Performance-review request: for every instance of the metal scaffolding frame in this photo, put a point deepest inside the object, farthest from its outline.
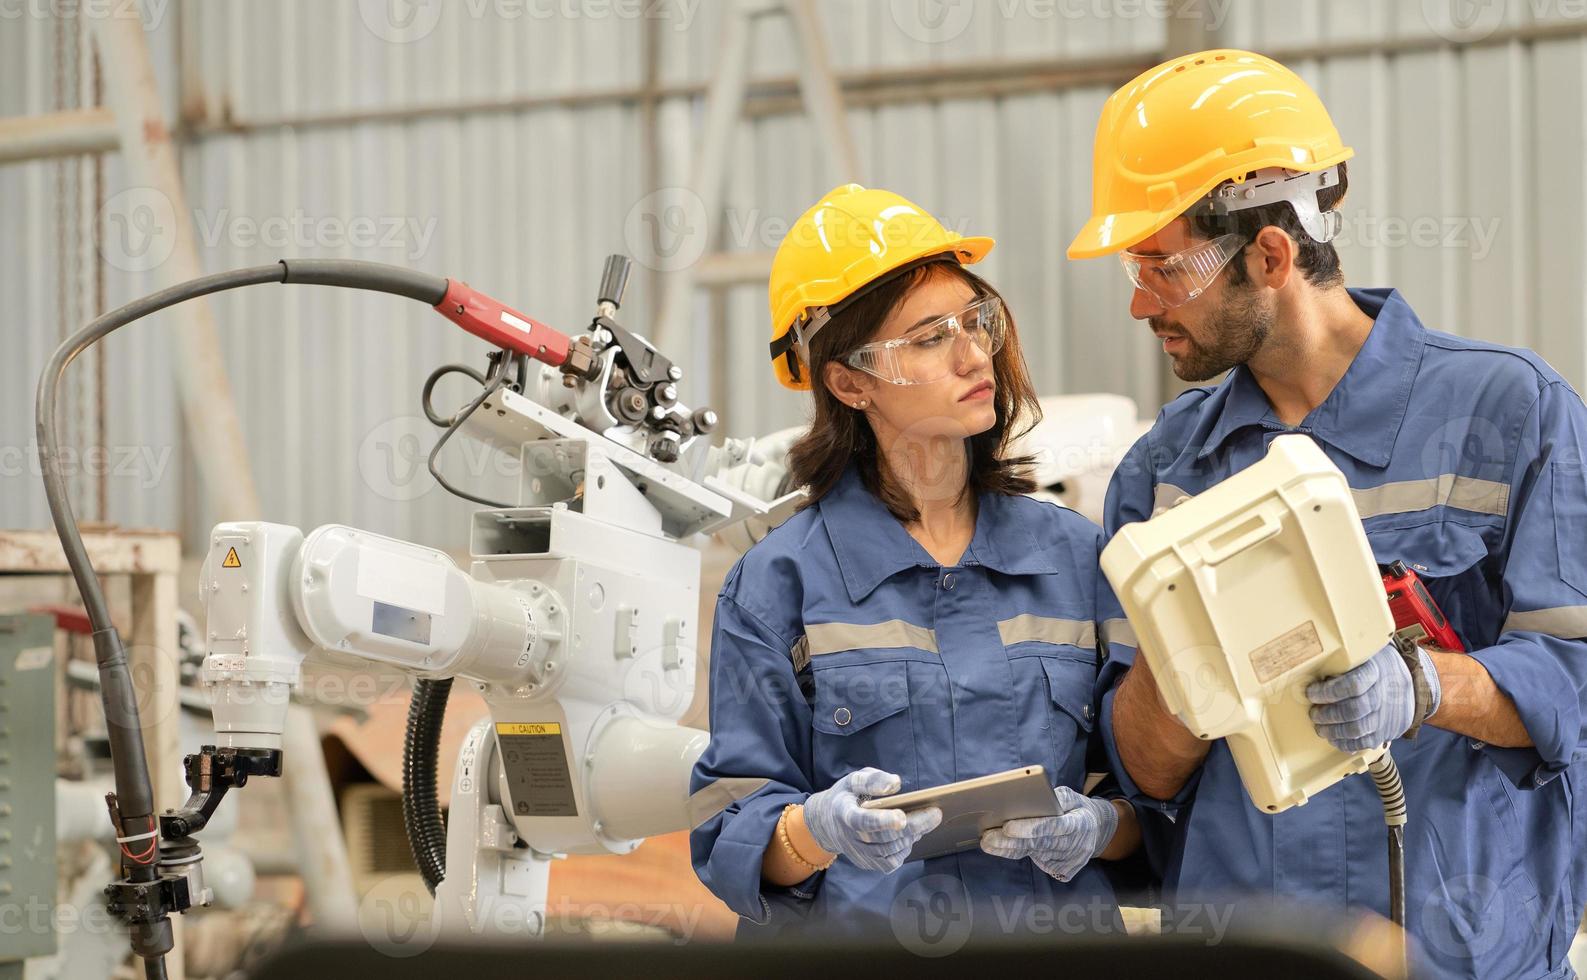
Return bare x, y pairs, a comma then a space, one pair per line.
724, 106
870, 88
134, 126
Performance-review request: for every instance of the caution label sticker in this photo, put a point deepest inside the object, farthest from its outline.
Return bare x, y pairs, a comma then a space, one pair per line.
536, 763
529, 728
231, 560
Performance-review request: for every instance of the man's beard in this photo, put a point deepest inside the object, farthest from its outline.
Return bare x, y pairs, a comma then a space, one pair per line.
1240, 326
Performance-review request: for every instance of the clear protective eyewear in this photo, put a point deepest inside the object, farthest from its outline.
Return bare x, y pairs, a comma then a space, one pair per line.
1179, 278
931, 351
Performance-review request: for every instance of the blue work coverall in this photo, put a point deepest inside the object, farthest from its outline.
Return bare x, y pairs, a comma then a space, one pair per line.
1466, 462
840, 643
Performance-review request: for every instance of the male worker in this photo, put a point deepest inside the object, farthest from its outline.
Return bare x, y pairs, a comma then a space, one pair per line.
1216, 179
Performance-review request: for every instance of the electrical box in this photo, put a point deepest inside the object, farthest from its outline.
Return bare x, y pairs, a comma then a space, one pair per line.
27, 786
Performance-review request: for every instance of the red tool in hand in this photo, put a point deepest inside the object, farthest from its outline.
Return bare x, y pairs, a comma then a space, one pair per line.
1414, 608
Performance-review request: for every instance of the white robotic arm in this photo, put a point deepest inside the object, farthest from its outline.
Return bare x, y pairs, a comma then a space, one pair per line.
574, 618
273, 595
582, 754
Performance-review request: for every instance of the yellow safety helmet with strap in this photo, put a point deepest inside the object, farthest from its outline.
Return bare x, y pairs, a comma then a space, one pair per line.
1177, 131
851, 239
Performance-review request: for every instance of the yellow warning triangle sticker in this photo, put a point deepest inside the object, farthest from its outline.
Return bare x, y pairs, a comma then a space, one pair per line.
231, 559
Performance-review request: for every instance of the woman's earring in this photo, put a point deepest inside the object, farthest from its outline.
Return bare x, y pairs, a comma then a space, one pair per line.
860, 404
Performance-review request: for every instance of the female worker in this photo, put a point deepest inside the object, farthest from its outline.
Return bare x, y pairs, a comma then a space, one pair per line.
918, 622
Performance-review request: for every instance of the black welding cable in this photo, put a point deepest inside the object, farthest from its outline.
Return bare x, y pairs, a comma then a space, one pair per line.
421, 806
1386, 777
375, 276
455, 423
436, 419
134, 795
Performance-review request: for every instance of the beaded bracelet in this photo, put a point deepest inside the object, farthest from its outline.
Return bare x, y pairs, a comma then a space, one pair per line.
787, 844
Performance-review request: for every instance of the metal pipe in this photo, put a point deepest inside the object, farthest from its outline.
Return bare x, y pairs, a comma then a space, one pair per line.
57, 134
734, 269
723, 105
316, 826
207, 406
822, 95
988, 78
650, 139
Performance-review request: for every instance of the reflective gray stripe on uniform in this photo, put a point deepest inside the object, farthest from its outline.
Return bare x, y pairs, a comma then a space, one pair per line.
714, 797
1165, 496
1403, 497
1564, 622
800, 654
823, 638
1119, 631
1449, 490
1046, 629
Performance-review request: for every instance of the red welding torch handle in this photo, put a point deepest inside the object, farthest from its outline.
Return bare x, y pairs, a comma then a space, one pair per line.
501, 325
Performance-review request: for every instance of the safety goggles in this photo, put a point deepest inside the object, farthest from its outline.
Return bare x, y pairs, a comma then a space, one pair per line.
1179, 278
932, 351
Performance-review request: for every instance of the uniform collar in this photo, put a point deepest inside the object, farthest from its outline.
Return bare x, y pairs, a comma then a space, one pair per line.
1362, 415
872, 546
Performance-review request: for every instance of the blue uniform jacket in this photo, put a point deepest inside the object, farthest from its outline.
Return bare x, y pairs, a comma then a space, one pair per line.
1466, 463
839, 643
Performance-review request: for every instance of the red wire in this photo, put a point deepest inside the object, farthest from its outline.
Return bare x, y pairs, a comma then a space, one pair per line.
143, 858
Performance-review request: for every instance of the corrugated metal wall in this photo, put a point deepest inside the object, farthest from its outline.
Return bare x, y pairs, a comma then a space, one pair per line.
1466, 193
38, 71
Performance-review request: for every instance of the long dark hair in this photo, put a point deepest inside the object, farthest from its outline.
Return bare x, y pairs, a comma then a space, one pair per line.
839, 434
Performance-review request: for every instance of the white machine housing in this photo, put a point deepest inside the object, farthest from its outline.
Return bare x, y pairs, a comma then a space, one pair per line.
255, 648
1245, 593
575, 620
1077, 445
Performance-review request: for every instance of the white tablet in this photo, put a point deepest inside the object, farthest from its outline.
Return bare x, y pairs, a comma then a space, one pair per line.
970, 807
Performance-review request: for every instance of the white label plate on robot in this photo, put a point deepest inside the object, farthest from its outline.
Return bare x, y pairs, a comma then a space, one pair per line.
1300, 645
398, 580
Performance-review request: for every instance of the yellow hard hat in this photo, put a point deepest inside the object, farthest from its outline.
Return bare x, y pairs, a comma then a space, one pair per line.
1179, 130
852, 238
